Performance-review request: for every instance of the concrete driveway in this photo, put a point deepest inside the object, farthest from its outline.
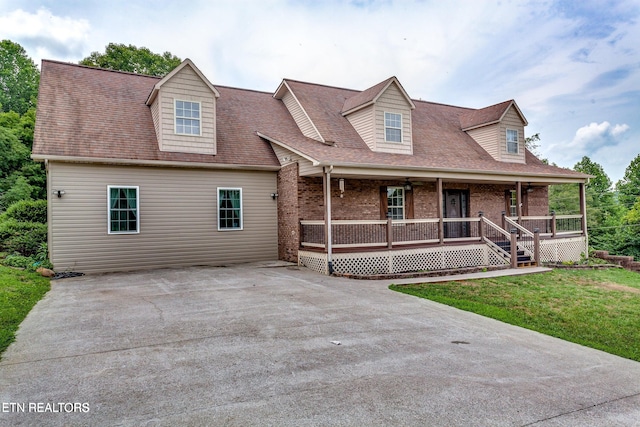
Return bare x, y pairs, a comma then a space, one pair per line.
250, 345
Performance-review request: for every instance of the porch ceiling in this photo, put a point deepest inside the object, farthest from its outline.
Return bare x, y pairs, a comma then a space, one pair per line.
417, 175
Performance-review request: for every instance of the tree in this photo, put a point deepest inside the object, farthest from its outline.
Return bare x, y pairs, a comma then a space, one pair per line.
628, 238
132, 59
604, 213
629, 186
19, 78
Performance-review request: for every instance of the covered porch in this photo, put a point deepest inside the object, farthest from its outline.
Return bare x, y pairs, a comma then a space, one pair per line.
428, 224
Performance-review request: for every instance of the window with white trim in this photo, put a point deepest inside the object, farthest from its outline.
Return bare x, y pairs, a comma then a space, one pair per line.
512, 141
229, 209
513, 203
392, 127
395, 202
187, 116
123, 209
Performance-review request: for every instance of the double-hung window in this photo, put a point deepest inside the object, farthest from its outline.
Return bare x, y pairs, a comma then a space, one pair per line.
187, 116
512, 141
124, 209
229, 209
395, 202
392, 127
513, 203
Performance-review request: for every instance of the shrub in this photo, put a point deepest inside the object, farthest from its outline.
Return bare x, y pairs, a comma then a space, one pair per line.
25, 238
27, 211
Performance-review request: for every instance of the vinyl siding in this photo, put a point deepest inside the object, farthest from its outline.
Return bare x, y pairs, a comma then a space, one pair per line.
487, 137
511, 120
187, 86
305, 167
393, 101
363, 122
300, 117
178, 218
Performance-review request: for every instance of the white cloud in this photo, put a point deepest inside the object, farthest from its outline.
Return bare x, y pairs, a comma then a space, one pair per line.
597, 135
44, 34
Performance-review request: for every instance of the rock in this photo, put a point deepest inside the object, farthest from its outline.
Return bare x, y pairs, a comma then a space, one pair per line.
45, 272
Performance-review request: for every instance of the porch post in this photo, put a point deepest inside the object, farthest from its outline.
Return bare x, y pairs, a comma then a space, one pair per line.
536, 246
583, 208
519, 201
440, 210
326, 178
514, 248
553, 224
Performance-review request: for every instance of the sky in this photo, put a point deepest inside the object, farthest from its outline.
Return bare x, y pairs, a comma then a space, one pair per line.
573, 67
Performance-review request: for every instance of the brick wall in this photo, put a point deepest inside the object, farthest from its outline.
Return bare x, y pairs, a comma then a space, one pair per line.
288, 213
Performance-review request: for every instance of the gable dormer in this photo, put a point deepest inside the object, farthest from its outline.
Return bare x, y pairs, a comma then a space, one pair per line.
499, 129
297, 111
183, 107
382, 117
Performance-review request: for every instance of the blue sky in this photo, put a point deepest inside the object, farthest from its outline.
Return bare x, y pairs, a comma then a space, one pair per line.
573, 67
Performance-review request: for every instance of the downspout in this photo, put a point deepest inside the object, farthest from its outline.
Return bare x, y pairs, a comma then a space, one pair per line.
327, 216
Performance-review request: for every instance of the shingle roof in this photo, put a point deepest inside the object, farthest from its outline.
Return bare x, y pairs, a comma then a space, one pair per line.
92, 113
487, 115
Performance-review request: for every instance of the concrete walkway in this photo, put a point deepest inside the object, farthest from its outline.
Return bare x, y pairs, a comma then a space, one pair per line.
248, 345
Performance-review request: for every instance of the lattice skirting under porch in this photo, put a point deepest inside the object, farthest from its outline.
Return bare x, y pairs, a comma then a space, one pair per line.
564, 249
405, 260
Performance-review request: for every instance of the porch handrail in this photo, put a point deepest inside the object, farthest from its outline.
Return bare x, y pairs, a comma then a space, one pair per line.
491, 243
496, 227
518, 227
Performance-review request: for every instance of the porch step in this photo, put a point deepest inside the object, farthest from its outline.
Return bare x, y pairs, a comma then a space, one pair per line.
523, 260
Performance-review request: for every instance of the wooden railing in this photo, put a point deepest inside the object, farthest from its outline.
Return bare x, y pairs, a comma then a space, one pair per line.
551, 225
394, 233
388, 233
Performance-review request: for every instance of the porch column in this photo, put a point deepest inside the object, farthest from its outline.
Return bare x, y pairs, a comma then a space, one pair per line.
519, 201
440, 210
328, 237
583, 208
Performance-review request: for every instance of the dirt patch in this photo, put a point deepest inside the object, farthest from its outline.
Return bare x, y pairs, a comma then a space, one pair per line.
616, 287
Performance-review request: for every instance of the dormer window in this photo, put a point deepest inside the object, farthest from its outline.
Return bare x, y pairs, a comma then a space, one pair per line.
512, 141
392, 127
187, 115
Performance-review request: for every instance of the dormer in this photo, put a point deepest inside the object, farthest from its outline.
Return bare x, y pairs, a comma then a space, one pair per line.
382, 117
183, 107
499, 129
297, 111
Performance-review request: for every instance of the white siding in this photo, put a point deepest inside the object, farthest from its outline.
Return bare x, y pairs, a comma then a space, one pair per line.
511, 120
178, 214
363, 122
487, 137
186, 85
300, 117
393, 101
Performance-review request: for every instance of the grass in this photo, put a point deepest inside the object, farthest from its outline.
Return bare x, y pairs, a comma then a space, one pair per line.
595, 308
20, 290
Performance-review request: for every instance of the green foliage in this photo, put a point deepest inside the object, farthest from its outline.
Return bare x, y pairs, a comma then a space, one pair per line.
629, 186
19, 292
25, 238
596, 308
27, 211
13, 154
19, 78
18, 189
132, 59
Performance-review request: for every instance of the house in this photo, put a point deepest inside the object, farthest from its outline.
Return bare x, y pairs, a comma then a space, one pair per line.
148, 172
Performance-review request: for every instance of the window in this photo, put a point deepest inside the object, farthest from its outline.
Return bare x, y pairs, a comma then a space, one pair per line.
229, 209
392, 127
187, 117
513, 203
512, 141
124, 210
395, 202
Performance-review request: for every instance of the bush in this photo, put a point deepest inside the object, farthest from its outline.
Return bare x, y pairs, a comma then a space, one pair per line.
27, 211
27, 262
25, 238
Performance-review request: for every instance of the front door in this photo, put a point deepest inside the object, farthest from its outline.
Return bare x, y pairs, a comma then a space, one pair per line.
455, 205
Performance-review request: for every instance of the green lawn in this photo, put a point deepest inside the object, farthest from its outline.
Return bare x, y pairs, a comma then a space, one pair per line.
19, 291
595, 308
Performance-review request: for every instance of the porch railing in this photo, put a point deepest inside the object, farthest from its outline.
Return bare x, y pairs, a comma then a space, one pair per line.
388, 233
551, 225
